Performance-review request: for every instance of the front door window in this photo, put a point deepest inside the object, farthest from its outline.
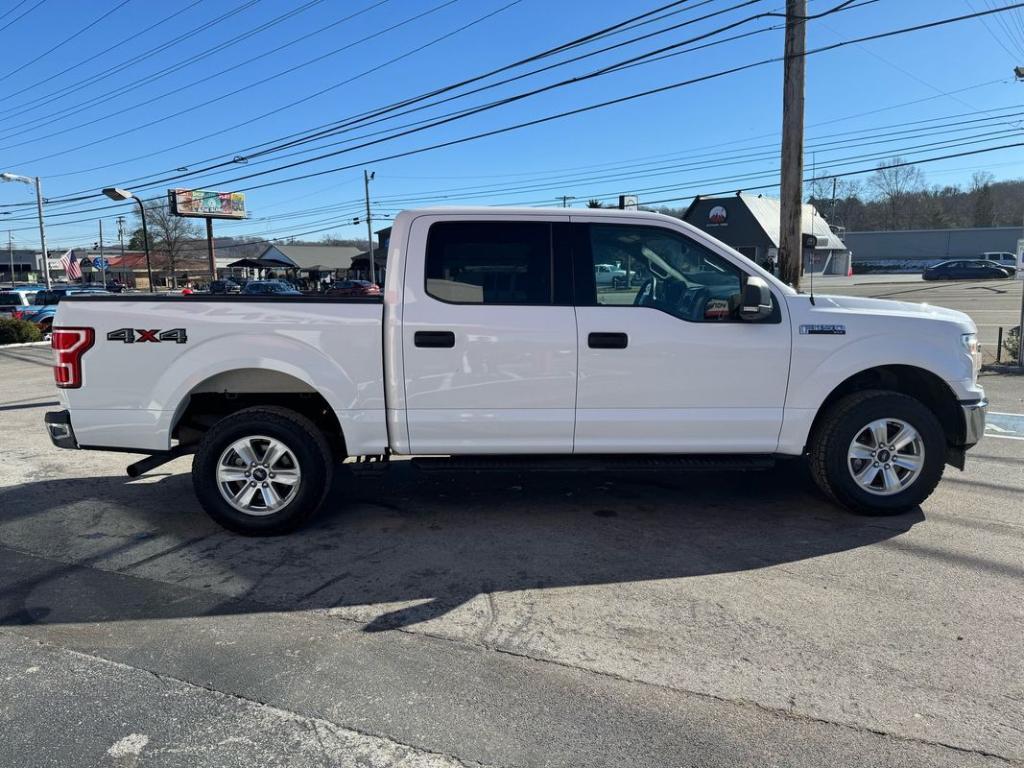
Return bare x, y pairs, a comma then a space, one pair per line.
652, 267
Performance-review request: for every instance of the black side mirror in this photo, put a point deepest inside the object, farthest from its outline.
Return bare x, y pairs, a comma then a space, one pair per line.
757, 300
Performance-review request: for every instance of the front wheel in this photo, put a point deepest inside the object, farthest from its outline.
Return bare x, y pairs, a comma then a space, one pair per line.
262, 471
878, 452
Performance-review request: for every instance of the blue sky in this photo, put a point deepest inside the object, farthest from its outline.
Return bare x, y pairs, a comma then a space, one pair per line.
113, 120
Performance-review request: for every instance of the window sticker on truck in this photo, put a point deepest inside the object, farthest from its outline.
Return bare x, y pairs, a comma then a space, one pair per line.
132, 335
826, 330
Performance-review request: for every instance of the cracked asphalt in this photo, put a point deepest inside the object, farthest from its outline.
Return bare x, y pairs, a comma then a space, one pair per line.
444, 619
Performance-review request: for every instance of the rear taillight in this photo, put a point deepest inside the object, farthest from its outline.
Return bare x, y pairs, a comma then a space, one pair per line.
69, 344
16, 314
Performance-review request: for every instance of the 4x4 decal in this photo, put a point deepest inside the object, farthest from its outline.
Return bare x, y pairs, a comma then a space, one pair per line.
132, 335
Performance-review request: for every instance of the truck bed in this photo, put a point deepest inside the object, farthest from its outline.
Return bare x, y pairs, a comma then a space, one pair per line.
150, 354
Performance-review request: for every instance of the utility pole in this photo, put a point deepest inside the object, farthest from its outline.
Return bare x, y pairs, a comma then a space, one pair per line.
1018, 73
367, 177
832, 212
790, 236
10, 252
42, 231
120, 236
565, 200
103, 261
209, 249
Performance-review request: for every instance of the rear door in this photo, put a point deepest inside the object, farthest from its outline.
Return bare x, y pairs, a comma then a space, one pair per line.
489, 336
665, 364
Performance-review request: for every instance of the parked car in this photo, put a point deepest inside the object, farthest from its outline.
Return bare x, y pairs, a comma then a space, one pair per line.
224, 287
1005, 259
354, 288
966, 269
489, 342
44, 304
13, 301
116, 286
609, 275
269, 288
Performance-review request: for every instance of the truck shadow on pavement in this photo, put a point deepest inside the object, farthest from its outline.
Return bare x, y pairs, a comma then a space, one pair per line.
106, 549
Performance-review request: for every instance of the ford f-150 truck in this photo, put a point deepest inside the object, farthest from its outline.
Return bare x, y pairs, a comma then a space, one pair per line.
493, 337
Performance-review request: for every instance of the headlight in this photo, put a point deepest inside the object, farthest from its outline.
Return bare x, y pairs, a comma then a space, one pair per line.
970, 342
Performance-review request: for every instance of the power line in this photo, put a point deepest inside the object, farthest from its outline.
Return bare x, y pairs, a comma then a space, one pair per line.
565, 46
22, 15
599, 105
67, 39
606, 103
712, 160
236, 91
501, 102
44, 120
133, 38
111, 71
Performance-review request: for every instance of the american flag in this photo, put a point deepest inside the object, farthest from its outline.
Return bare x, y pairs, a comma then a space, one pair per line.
70, 265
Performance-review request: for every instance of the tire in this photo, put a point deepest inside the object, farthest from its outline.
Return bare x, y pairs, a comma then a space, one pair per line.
297, 479
844, 431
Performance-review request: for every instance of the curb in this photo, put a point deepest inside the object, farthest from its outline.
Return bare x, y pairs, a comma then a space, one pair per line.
26, 344
1011, 370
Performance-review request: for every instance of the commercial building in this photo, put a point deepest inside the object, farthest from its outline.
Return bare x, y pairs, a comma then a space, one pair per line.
912, 250
751, 225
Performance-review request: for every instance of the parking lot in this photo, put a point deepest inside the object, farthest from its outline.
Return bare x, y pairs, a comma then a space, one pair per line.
991, 303
439, 619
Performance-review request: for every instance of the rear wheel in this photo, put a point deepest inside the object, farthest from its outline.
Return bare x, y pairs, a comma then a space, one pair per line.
262, 471
878, 452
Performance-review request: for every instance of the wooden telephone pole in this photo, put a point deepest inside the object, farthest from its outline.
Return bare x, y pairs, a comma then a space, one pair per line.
790, 235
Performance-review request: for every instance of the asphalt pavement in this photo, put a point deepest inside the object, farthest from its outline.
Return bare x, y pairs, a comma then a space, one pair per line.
992, 304
445, 619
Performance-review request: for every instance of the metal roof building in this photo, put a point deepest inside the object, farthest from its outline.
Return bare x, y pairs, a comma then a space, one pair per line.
312, 258
751, 224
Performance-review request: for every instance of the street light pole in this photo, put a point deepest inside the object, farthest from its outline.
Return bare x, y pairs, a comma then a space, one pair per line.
10, 252
115, 193
34, 180
145, 244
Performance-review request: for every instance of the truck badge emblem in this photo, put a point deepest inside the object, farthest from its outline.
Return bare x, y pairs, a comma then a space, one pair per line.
822, 330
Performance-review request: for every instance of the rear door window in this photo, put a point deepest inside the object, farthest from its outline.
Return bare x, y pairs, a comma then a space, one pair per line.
490, 262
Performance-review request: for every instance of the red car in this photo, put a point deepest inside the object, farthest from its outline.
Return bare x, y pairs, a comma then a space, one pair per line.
354, 288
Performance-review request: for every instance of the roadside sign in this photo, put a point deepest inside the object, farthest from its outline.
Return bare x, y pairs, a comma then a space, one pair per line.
207, 204
100, 263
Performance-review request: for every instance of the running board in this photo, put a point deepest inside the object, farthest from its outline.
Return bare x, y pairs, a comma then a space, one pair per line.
594, 463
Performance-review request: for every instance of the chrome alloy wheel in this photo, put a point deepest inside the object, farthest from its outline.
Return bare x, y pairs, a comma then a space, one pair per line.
258, 475
886, 456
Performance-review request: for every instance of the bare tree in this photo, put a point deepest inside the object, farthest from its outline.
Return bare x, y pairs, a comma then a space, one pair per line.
984, 204
169, 233
894, 184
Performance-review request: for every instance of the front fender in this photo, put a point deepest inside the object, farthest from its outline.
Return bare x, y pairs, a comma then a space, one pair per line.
819, 367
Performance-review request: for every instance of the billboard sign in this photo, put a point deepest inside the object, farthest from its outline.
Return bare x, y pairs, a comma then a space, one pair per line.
207, 204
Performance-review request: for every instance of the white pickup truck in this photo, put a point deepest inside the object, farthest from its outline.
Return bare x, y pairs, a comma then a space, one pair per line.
493, 337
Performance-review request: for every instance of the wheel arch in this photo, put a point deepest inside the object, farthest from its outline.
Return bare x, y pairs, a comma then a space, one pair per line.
229, 391
911, 380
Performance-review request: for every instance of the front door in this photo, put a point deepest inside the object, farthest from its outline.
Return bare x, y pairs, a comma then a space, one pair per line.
489, 336
665, 363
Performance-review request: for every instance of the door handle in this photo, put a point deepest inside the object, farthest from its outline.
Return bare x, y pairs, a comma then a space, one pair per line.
607, 341
434, 339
